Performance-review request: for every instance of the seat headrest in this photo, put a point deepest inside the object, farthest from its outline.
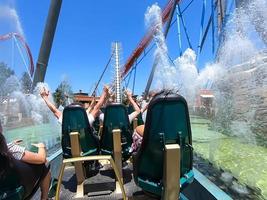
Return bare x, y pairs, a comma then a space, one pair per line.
75, 105
166, 95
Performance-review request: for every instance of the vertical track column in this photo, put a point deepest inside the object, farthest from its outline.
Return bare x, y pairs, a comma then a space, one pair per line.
117, 74
48, 36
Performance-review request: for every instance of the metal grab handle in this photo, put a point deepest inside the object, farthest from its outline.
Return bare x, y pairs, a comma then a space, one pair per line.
89, 158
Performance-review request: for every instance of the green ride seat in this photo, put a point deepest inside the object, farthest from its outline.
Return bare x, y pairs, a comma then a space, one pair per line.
75, 120
167, 122
116, 117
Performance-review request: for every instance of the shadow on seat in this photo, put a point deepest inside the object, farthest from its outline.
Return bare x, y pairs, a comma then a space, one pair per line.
167, 123
116, 117
75, 120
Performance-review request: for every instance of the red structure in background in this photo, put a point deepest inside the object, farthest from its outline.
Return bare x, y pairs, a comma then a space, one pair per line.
84, 97
25, 45
204, 103
147, 38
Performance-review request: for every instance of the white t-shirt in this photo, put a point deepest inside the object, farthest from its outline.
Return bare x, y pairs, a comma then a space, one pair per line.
143, 105
131, 117
90, 118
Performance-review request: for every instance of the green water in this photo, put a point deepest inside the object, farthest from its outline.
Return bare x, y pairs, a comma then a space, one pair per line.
246, 162
46, 133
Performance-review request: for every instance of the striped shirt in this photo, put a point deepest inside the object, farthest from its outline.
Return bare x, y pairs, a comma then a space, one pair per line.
16, 150
137, 141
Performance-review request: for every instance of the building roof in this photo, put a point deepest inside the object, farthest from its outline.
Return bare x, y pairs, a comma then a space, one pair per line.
83, 97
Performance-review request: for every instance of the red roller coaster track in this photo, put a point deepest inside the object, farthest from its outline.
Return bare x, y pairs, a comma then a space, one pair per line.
147, 38
25, 45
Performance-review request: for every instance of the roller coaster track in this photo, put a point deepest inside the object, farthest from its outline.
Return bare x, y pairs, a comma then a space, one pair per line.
147, 38
24, 44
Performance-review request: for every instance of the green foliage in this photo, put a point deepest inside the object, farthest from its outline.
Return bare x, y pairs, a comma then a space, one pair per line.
5, 73
26, 82
62, 93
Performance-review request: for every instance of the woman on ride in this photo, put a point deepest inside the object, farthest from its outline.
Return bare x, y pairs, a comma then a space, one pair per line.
30, 167
139, 130
92, 111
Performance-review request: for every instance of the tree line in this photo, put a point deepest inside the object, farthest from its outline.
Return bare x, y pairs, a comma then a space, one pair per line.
9, 83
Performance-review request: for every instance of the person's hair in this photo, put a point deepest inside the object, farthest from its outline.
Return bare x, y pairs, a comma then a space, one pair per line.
163, 92
5, 155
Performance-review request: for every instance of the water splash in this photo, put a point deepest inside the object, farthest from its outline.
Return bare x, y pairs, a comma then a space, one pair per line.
165, 72
240, 63
240, 89
238, 80
187, 74
180, 75
29, 105
26, 116
9, 20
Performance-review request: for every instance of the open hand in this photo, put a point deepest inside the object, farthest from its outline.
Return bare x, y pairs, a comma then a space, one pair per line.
106, 88
128, 93
44, 92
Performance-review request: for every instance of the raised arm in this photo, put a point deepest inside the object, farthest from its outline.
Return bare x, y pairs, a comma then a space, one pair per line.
134, 104
91, 106
101, 101
44, 94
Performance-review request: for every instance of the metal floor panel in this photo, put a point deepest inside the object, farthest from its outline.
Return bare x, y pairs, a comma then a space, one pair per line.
100, 186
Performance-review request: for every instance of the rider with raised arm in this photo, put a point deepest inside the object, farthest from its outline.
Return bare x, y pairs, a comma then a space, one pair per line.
131, 116
92, 113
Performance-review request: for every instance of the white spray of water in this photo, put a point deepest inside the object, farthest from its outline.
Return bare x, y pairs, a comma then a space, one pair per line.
165, 72
11, 84
31, 105
31, 110
9, 16
239, 46
187, 74
239, 90
182, 74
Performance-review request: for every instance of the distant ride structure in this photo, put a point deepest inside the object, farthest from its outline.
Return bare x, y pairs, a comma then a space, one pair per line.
19, 39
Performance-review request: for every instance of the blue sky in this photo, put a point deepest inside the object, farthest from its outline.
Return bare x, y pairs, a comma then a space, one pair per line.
85, 31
